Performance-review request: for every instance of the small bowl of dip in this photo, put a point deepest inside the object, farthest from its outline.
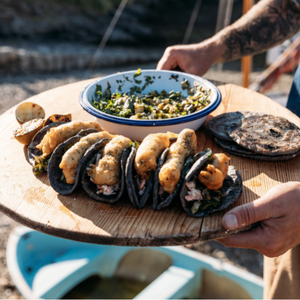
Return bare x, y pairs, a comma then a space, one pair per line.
137, 103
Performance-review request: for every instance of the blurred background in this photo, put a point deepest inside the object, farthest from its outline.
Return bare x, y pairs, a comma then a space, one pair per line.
49, 43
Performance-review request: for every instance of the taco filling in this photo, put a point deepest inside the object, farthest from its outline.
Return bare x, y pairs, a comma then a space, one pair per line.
106, 172
205, 190
170, 172
71, 158
146, 158
173, 165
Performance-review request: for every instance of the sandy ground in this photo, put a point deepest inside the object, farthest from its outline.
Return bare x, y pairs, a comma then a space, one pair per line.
14, 89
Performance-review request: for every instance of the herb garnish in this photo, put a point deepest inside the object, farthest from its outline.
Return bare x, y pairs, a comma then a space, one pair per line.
154, 105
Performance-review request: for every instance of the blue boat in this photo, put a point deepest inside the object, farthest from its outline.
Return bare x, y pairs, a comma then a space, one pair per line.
48, 267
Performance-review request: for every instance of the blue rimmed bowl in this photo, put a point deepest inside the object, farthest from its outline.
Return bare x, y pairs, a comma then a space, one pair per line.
160, 80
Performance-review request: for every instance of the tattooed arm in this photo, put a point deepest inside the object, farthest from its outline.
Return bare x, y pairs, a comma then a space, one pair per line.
267, 24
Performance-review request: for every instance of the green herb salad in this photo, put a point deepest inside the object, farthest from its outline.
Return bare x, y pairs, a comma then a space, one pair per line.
135, 104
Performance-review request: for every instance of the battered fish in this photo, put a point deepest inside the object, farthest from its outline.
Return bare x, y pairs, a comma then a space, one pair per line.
148, 152
215, 173
170, 172
58, 135
108, 169
72, 157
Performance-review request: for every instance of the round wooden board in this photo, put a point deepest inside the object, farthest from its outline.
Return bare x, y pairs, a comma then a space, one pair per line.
31, 201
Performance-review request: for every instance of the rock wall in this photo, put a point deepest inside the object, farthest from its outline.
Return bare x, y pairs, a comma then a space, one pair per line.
58, 35
67, 56
144, 22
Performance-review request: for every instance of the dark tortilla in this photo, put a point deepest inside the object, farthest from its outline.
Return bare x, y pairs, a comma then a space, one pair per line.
32, 149
218, 125
131, 183
234, 148
232, 184
85, 132
266, 134
89, 186
161, 202
55, 173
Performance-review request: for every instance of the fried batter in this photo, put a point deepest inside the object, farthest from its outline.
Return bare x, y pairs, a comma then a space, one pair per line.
72, 157
59, 134
108, 169
148, 152
170, 172
215, 173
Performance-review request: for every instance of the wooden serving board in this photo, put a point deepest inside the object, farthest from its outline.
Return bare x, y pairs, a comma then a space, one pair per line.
31, 201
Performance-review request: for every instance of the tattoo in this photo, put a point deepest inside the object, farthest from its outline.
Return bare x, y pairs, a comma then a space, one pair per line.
268, 23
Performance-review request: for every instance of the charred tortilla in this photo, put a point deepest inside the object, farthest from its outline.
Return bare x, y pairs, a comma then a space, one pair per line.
218, 125
55, 174
161, 201
231, 189
89, 186
266, 134
35, 155
137, 199
172, 166
33, 151
234, 148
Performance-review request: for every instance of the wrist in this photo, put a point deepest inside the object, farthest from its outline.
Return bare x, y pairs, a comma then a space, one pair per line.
215, 49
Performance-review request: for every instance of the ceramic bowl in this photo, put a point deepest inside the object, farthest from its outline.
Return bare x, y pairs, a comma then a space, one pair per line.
160, 80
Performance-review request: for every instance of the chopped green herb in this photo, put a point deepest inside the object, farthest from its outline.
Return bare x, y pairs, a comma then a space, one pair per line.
137, 73
154, 105
135, 144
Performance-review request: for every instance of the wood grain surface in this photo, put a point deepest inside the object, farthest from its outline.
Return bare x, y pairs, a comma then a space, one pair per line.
31, 201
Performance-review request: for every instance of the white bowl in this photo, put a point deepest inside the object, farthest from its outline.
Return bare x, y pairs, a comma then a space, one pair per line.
160, 80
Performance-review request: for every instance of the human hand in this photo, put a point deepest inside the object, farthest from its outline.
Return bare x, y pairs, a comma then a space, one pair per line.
194, 59
279, 214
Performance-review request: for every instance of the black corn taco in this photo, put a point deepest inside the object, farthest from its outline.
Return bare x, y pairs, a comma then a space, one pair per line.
106, 160
86, 132
138, 195
172, 167
162, 199
65, 165
52, 136
141, 166
197, 199
35, 155
55, 174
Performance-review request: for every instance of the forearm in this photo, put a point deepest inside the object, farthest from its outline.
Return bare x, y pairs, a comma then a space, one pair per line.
267, 24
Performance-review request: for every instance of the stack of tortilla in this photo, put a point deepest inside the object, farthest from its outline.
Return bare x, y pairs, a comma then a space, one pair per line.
256, 135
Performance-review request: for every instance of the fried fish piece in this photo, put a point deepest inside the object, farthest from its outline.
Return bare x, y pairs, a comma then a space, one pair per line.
148, 152
108, 169
72, 157
215, 173
58, 135
170, 172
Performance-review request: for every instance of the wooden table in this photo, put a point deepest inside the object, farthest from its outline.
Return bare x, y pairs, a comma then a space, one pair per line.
31, 201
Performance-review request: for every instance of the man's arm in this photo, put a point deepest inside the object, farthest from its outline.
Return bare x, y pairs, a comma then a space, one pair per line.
267, 24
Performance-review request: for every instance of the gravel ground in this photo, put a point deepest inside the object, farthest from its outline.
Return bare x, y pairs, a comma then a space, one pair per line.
14, 89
